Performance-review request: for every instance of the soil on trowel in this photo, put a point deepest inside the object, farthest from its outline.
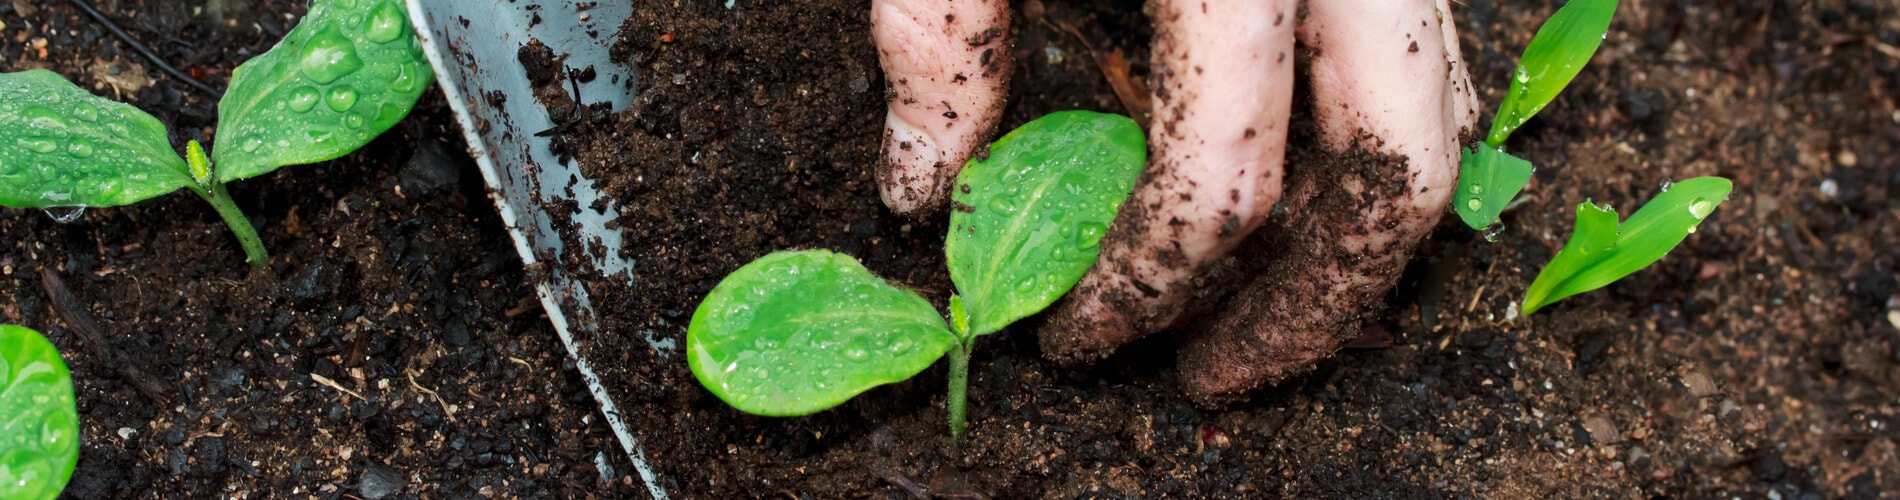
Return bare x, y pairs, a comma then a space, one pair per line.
391, 348
1759, 359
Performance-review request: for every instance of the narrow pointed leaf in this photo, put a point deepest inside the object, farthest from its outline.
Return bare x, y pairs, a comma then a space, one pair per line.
797, 332
39, 422
1646, 237
1028, 221
1562, 46
62, 146
349, 71
1488, 178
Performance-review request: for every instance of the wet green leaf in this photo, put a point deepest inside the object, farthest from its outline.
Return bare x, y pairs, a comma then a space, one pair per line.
1029, 220
1600, 251
62, 146
39, 422
1555, 55
349, 71
1488, 178
797, 332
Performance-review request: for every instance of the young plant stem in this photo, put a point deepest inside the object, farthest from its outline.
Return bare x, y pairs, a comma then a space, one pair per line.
959, 386
240, 226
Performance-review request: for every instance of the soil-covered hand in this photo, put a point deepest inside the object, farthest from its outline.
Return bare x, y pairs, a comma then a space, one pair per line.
1391, 104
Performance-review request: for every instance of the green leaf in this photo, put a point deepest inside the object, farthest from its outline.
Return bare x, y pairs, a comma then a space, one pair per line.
1601, 252
797, 332
39, 422
62, 146
1028, 221
349, 71
1559, 51
1488, 178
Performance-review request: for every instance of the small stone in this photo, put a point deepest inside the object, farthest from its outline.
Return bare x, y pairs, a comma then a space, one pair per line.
1699, 385
1602, 430
379, 482
1847, 159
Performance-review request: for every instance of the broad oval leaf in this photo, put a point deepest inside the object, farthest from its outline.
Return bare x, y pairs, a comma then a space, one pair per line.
793, 333
62, 146
39, 422
1029, 220
1590, 261
1488, 178
349, 71
1562, 46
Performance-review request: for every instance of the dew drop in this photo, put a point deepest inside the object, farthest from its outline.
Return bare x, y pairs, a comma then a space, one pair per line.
251, 145
1474, 204
388, 114
303, 99
39, 144
385, 24
329, 56
1027, 284
79, 148
321, 136
1691, 229
1491, 234
341, 97
1522, 75
856, 354
1667, 184
1701, 208
353, 120
405, 78
1477, 189
86, 112
1002, 204
43, 116
65, 215
1089, 234
899, 346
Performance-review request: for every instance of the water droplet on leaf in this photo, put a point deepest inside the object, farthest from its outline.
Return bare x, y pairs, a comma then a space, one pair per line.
65, 215
1477, 189
1089, 234
39, 144
405, 79
1701, 208
386, 23
1474, 204
303, 99
86, 112
329, 56
79, 148
341, 97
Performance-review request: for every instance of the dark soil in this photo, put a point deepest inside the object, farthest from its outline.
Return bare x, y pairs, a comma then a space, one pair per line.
1758, 359
390, 276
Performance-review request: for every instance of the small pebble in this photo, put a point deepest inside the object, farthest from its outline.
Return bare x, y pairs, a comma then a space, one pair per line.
1830, 189
1847, 159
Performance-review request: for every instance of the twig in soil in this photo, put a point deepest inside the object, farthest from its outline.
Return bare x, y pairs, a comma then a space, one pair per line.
909, 486
432, 394
93, 336
333, 385
145, 51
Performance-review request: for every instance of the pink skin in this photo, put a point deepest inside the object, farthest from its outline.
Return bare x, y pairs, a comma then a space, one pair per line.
948, 65
1391, 100
1376, 92
1222, 95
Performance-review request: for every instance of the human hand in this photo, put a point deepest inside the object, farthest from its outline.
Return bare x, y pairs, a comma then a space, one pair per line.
1391, 102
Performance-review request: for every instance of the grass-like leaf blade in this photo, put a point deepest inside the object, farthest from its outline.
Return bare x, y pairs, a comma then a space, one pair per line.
39, 422
1586, 263
1487, 180
797, 332
1028, 221
349, 71
1562, 46
63, 146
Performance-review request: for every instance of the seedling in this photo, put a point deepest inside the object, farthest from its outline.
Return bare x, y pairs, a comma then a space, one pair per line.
797, 332
348, 72
1488, 178
1601, 251
39, 421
